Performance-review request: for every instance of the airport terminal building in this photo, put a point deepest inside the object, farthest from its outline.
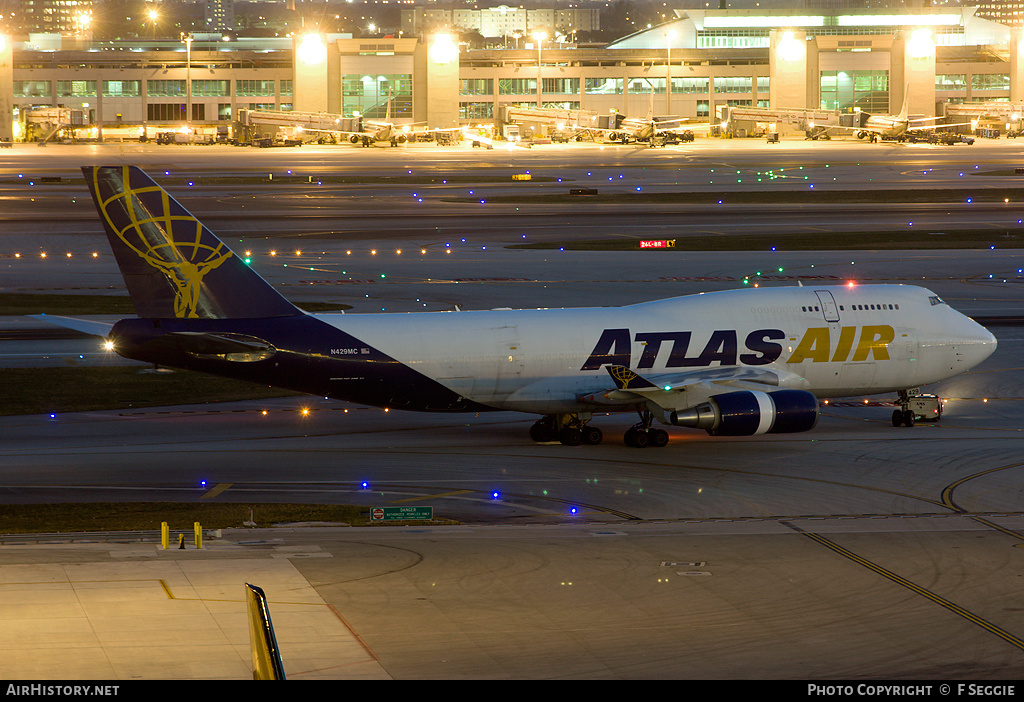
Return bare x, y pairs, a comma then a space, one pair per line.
833, 59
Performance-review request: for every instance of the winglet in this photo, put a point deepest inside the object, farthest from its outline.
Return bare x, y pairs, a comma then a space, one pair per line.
625, 379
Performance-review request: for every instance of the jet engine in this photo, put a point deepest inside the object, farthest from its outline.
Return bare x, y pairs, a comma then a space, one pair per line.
750, 412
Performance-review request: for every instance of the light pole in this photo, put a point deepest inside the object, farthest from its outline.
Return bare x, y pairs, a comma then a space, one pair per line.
187, 38
669, 36
539, 37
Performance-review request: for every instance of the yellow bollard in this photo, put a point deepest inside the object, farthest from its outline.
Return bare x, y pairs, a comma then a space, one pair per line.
181, 541
199, 534
165, 536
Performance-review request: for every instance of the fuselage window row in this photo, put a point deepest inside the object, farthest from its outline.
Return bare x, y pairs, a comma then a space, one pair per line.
842, 308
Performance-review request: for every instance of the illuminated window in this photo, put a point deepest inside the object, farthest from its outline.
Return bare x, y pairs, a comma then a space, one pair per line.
517, 86
951, 81
691, 86
561, 86
602, 86
476, 86
32, 88
165, 88
250, 88
848, 91
734, 84
476, 110
990, 81
211, 88
76, 88
369, 95
122, 88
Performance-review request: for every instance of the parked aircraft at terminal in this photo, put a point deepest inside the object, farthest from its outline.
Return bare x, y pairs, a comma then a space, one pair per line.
898, 127
737, 362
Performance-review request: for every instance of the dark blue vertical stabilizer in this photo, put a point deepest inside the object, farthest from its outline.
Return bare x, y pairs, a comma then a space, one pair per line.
172, 264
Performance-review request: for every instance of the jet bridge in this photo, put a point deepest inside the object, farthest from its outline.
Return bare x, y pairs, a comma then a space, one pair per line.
251, 123
559, 119
742, 120
44, 123
1008, 115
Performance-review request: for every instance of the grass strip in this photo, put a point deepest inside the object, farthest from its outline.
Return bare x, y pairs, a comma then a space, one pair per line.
86, 389
63, 518
49, 303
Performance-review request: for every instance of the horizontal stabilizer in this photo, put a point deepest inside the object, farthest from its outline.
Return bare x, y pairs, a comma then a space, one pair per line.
239, 348
86, 326
204, 343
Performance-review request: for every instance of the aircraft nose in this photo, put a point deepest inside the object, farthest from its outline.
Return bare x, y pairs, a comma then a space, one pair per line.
976, 343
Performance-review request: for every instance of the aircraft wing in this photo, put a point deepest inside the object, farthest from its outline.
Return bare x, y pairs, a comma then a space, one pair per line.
679, 390
930, 127
86, 326
235, 346
869, 130
468, 134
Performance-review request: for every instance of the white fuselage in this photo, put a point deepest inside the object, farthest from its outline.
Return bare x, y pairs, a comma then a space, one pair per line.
888, 126
833, 341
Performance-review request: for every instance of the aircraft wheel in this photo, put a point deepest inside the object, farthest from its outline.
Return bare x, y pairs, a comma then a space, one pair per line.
542, 431
629, 438
897, 418
592, 436
908, 418
641, 438
659, 437
570, 436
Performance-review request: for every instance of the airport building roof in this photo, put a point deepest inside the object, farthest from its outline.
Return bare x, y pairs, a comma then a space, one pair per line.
712, 29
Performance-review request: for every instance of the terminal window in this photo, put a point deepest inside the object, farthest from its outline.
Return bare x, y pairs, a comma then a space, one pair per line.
32, 88
76, 88
249, 88
603, 86
165, 88
476, 86
370, 95
849, 91
517, 86
122, 88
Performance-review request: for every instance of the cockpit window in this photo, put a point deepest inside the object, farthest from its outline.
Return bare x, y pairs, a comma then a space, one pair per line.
935, 300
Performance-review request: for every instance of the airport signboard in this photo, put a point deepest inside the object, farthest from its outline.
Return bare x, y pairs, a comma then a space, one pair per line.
391, 514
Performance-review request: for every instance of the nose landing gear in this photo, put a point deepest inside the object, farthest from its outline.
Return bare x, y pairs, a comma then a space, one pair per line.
916, 407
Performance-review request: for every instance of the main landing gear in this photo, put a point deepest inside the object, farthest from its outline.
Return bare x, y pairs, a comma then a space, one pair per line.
642, 434
570, 430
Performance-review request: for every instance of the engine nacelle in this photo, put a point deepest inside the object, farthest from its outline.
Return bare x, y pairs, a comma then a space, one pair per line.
749, 412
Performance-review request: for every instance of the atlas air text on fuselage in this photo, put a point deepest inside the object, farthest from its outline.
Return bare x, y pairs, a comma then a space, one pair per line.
760, 347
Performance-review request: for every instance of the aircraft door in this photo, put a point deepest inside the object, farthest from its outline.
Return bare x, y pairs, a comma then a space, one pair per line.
510, 369
828, 306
